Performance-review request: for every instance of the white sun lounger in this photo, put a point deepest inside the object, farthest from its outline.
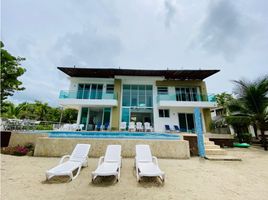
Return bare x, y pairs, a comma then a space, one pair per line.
77, 160
110, 164
146, 164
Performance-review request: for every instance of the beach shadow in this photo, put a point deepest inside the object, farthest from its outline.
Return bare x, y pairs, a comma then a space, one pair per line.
147, 182
57, 180
104, 181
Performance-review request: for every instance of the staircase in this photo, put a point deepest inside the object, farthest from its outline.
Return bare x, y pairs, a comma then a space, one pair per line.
212, 149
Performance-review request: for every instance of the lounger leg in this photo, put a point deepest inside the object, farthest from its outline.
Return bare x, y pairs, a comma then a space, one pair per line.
78, 172
137, 174
118, 175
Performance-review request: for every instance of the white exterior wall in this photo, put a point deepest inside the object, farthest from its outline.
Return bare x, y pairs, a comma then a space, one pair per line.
159, 123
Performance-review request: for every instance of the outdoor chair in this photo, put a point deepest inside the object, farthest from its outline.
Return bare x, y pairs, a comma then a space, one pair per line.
123, 126
147, 165
167, 128
139, 126
132, 126
176, 128
148, 127
77, 160
110, 164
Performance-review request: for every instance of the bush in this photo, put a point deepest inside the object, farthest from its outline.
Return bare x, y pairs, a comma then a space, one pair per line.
8, 150
20, 151
44, 127
244, 138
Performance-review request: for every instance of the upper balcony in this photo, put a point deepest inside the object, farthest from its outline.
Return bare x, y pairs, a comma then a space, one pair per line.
71, 98
187, 100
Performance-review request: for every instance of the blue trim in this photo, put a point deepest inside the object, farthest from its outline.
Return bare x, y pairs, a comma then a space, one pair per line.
199, 131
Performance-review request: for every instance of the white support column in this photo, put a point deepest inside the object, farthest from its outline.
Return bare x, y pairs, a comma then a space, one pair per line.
79, 115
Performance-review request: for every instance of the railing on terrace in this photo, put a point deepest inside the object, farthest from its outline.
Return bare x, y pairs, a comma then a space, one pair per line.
71, 94
187, 97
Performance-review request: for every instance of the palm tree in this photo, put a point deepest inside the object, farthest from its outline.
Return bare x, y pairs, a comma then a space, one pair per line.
222, 101
41, 110
252, 101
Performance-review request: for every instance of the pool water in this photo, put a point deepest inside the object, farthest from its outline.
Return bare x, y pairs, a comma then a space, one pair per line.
114, 135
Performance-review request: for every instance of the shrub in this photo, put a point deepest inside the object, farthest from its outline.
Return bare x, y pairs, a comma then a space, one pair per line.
29, 146
8, 150
20, 151
244, 138
44, 127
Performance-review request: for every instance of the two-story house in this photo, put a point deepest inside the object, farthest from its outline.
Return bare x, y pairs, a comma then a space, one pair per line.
159, 97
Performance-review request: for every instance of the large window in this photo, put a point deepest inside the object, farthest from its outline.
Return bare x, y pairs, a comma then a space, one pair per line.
137, 96
186, 121
89, 91
163, 113
187, 94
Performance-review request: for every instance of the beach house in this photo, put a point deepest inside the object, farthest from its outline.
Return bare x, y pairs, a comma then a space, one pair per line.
109, 96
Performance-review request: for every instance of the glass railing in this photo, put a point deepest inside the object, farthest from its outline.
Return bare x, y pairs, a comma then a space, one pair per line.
187, 97
71, 94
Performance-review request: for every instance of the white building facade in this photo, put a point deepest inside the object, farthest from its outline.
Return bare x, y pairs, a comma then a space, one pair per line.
108, 97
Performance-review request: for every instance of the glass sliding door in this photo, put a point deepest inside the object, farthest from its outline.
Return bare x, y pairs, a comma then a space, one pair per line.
106, 116
186, 94
125, 115
89, 91
182, 122
86, 91
190, 122
99, 92
186, 122
83, 119
80, 91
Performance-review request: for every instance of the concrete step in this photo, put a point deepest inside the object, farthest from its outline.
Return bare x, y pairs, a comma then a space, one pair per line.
215, 152
222, 157
209, 143
211, 146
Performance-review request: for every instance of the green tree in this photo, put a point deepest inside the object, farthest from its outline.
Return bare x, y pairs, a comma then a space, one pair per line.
69, 115
8, 110
222, 100
41, 110
252, 102
10, 71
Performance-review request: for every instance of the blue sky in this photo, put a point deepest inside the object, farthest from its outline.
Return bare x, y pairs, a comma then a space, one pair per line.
152, 34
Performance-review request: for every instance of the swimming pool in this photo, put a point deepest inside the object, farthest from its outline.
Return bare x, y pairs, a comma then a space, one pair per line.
114, 135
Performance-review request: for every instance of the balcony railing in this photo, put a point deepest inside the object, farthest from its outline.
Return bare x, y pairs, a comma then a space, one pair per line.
187, 97
71, 94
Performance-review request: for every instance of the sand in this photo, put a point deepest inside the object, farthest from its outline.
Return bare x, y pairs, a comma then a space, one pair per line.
24, 178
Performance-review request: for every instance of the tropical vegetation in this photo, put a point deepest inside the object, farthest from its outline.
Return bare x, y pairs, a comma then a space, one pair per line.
38, 111
10, 71
250, 106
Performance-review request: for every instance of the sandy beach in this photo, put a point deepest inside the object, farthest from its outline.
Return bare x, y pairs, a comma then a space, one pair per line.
24, 178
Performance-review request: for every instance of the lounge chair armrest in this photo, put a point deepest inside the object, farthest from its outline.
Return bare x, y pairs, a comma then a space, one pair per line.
101, 160
63, 157
155, 160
